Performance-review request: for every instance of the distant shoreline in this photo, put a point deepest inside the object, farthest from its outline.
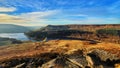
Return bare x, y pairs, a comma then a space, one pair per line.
18, 36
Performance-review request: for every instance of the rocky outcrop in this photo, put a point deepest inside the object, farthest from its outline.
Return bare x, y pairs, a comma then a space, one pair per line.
60, 54
77, 59
28, 62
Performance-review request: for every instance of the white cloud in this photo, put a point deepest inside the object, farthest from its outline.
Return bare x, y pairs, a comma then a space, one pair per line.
38, 16
53, 17
29, 18
7, 9
98, 20
88, 20
5, 18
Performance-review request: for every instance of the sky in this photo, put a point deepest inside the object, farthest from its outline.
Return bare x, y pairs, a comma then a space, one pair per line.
59, 12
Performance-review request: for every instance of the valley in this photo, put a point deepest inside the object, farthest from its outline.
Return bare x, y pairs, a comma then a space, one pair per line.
65, 47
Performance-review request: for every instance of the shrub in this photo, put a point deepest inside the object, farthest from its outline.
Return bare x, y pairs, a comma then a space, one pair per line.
114, 32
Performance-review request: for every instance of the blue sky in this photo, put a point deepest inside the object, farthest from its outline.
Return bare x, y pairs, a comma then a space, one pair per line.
44, 12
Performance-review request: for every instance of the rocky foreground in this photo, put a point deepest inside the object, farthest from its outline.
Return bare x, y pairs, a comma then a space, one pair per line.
60, 54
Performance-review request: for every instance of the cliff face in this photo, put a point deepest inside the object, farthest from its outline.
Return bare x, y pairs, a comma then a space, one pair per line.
82, 27
79, 32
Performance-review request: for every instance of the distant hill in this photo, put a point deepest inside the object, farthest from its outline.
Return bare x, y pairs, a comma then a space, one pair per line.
34, 27
108, 33
10, 28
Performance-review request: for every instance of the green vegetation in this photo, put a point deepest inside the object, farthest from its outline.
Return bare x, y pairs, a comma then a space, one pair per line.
114, 32
41, 34
7, 41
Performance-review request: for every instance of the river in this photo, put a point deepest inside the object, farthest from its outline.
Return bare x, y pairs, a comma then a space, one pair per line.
18, 36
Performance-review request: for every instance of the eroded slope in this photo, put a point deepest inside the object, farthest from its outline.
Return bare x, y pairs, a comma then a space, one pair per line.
60, 54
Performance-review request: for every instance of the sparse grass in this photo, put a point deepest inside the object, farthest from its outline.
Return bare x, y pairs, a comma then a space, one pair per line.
51, 48
60, 46
5, 42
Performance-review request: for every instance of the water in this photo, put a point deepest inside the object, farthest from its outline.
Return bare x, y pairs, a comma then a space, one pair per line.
18, 36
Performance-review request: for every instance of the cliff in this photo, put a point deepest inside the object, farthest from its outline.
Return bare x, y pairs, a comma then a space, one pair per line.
106, 33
